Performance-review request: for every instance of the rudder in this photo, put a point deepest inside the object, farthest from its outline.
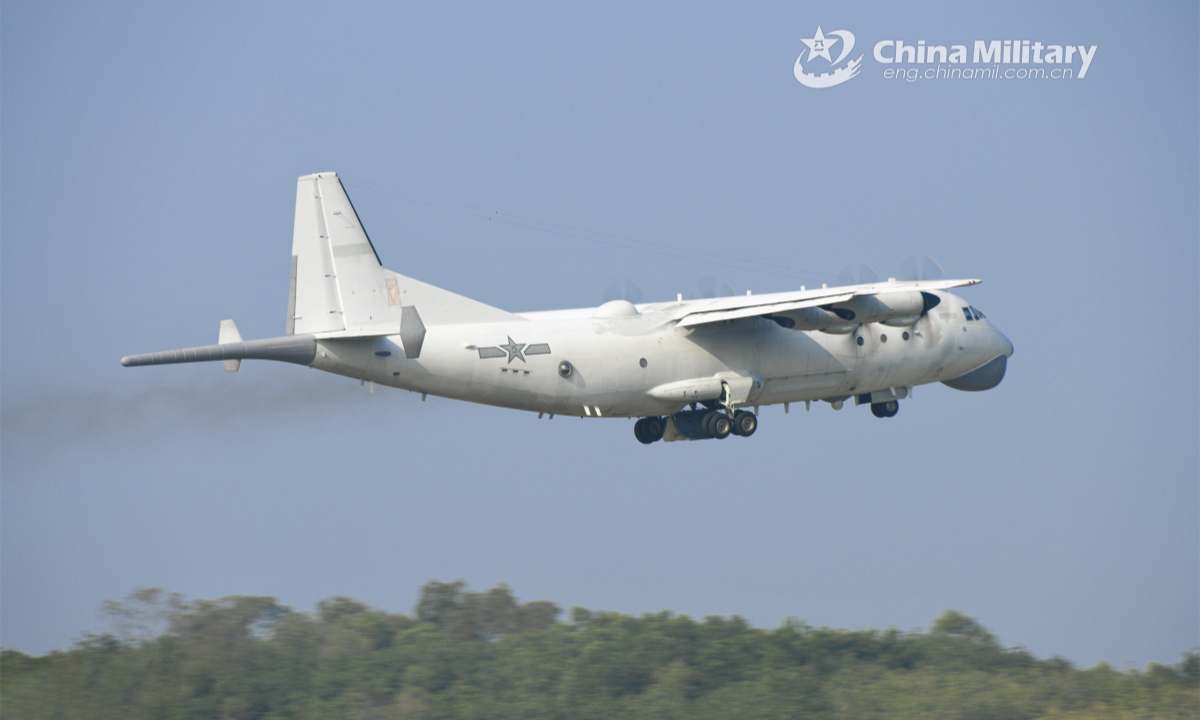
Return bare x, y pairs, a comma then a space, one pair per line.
337, 280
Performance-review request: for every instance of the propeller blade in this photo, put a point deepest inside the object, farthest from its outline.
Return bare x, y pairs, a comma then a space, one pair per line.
624, 289
845, 276
633, 292
709, 286
712, 286
867, 274
613, 291
931, 269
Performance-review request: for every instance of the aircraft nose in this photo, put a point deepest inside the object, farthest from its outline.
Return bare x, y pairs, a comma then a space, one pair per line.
1005, 344
996, 346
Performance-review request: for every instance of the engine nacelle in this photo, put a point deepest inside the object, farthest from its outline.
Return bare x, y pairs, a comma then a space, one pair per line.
898, 309
906, 321
882, 308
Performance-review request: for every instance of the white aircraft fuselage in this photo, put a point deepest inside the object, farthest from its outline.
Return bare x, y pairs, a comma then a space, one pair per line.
690, 369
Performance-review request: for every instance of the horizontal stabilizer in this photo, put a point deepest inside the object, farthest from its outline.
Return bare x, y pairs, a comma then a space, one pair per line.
298, 349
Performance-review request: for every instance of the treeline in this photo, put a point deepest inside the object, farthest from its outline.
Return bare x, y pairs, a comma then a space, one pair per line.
484, 655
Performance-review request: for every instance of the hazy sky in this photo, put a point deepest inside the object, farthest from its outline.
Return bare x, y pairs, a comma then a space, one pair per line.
149, 157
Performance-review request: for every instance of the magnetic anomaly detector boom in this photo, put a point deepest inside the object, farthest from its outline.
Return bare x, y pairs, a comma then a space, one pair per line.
689, 370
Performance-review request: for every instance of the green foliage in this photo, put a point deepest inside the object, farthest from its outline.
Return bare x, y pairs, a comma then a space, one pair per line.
481, 616
484, 655
954, 623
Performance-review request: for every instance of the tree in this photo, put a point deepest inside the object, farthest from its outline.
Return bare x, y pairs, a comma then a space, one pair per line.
481, 616
955, 624
144, 614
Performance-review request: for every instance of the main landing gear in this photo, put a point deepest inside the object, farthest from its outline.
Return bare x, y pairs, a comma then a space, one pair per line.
885, 409
744, 423
716, 425
649, 429
698, 425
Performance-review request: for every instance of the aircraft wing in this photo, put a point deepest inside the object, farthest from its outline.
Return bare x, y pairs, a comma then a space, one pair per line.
733, 308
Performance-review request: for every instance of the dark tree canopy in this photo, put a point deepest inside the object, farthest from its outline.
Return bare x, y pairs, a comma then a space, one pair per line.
485, 655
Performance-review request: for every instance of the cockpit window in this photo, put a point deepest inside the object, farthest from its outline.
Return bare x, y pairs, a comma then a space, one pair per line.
967, 312
978, 315
972, 313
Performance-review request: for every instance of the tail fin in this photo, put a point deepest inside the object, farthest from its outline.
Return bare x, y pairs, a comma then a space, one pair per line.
339, 287
226, 335
337, 279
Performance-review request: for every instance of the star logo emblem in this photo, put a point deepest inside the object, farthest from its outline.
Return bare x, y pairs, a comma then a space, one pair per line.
819, 45
514, 350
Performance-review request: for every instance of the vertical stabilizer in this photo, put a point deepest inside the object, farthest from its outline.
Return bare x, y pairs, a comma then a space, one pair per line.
337, 277
226, 335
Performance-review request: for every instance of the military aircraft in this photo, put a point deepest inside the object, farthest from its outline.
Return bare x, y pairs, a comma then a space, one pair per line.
688, 369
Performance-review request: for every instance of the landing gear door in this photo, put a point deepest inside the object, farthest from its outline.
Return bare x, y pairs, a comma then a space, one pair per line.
744, 388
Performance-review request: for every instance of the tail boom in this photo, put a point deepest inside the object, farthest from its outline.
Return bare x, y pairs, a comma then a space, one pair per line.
297, 349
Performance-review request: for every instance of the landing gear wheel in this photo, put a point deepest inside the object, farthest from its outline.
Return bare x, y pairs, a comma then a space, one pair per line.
744, 423
639, 432
885, 409
653, 428
720, 426
648, 430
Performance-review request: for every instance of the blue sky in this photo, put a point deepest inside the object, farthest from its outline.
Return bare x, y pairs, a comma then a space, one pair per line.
148, 157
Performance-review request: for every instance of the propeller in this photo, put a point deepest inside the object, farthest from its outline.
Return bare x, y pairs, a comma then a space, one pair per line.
624, 289
866, 274
920, 267
713, 287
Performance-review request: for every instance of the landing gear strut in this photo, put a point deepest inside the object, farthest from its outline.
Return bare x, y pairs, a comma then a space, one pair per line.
885, 409
741, 422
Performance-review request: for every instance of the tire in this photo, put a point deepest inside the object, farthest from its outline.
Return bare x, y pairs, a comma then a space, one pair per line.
720, 426
878, 411
744, 423
706, 422
653, 429
890, 408
639, 432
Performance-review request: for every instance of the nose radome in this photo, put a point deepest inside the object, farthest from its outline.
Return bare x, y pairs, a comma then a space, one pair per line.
1007, 344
